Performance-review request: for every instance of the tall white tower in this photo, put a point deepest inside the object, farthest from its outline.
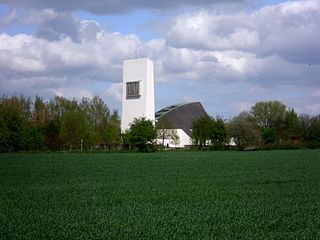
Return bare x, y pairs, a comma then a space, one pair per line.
137, 91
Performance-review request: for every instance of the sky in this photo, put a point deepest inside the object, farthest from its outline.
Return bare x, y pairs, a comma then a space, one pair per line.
227, 54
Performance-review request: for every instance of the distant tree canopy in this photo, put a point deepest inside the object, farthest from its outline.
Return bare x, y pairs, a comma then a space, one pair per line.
142, 134
243, 131
56, 124
62, 124
209, 131
166, 131
272, 122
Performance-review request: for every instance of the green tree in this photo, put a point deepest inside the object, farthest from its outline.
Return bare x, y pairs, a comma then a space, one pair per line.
112, 132
315, 129
290, 125
98, 114
52, 134
244, 131
201, 130
270, 117
304, 126
15, 121
269, 135
74, 128
112, 136
142, 134
166, 130
4, 132
268, 114
218, 133
207, 130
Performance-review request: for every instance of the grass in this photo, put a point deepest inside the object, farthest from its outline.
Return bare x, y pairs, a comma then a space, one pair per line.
164, 195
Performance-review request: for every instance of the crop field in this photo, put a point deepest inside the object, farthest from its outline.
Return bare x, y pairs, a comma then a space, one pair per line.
162, 195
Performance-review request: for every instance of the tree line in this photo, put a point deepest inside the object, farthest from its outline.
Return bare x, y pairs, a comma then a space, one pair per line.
57, 124
267, 125
62, 124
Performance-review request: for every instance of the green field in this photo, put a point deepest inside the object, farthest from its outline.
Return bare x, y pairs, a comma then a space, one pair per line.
162, 195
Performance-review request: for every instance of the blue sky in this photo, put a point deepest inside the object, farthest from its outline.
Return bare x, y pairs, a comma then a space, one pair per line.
226, 54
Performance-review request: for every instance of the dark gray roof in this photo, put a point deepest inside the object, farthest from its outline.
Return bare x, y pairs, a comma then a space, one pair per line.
179, 116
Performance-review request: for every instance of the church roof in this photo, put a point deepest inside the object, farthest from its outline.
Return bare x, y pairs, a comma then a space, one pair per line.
180, 116
165, 110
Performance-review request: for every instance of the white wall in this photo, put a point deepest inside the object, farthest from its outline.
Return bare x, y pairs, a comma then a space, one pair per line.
139, 69
183, 137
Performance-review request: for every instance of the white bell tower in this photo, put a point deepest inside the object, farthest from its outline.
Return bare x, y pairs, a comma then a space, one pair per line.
137, 91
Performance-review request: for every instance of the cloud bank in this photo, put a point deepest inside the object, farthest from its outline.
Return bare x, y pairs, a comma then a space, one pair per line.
113, 6
226, 60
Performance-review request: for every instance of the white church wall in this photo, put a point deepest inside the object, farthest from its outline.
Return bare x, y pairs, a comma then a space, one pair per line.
184, 140
138, 70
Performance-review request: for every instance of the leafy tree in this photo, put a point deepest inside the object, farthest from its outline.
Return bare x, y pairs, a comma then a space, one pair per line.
41, 114
25, 125
269, 135
59, 105
52, 134
15, 120
4, 132
112, 132
165, 130
174, 137
74, 128
290, 125
270, 117
112, 135
209, 130
315, 128
35, 139
201, 130
244, 131
142, 134
268, 114
98, 114
218, 133
304, 126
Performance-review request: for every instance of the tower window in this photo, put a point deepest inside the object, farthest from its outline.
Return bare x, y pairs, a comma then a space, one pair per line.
133, 89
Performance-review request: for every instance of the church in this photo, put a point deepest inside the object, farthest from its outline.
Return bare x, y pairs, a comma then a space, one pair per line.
138, 101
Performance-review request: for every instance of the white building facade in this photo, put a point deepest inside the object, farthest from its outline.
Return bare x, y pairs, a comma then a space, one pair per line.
137, 91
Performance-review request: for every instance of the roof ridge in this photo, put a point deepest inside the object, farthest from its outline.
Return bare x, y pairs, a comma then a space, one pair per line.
165, 110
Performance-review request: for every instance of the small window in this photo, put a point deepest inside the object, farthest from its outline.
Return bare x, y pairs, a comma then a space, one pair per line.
133, 89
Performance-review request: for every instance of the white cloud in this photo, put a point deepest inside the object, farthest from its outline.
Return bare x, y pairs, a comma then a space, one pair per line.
313, 109
241, 106
113, 6
115, 91
316, 93
227, 60
10, 17
71, 93
280, 29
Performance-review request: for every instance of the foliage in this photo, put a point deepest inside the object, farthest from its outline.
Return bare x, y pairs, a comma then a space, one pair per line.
207, 130
54, 124
201, 130
282, 146
243, 130
166, 131
60, 124
142, 134
112, 135
315, 129
268, 114
289, 125
269, 135
162, 195
112, 132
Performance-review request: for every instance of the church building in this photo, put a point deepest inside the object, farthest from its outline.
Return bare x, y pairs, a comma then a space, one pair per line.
138, 101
